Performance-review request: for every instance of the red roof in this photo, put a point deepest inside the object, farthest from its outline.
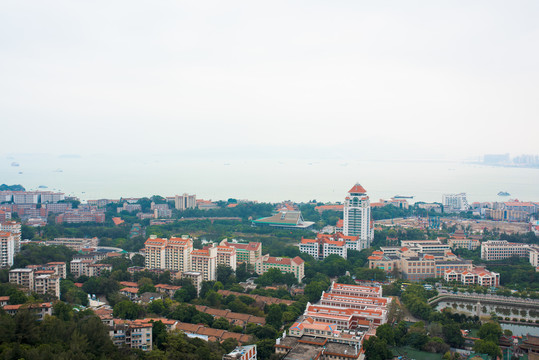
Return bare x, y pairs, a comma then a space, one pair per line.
358, 189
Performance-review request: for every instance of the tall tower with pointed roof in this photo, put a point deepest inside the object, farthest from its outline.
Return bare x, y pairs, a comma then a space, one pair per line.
357, 216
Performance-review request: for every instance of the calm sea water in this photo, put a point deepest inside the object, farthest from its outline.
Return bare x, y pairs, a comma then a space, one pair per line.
92, 177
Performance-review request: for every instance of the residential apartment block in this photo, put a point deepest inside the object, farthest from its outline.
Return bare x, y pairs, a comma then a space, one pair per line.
205, 261
36, 280
133, 334
173, 253
7, 249
185, 201
227, 255
14, 228
247, 253
295, 266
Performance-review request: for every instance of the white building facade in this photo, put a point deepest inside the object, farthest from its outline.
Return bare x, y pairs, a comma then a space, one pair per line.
357, 216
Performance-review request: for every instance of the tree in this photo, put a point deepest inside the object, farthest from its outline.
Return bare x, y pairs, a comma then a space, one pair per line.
487, 347
159, 334
453, 335
127, 310
376, 349
221, 323
385, 332
225, 274
275, 316
490, 331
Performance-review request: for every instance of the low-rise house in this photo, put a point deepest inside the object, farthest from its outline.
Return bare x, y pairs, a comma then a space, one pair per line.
166, 289
131, 293
40, 310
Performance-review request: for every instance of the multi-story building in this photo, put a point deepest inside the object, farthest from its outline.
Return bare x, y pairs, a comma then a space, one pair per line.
245, 253
322, 247
7, 249
129, 208
76, 244
23, 277
328, 244
23, 197
48, 197
172, 254
502, 249
185, 201
357, 216
463, 243
205, 261
196, 278
14, 228
76, 216
45, 282
226, 255
479, 276
57, 207
131, 334
534, 255
39, 310
455, 202
295, 266
4, 215
98, 269
58, 268
356, 290
422, 260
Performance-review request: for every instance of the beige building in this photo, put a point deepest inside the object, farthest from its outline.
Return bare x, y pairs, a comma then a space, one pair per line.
463, 243
196, 278
226, 255
76, 244
172, 254
295, 266
23, 277
45, 282
185, 201
205, 261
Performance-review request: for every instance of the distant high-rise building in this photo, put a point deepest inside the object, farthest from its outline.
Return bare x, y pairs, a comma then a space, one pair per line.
357, 216
455, 202
185, 201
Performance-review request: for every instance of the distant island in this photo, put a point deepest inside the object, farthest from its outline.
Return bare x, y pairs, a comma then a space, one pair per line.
5, 187
503, 193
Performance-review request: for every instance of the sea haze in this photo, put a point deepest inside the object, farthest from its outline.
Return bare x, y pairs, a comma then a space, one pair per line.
264, 179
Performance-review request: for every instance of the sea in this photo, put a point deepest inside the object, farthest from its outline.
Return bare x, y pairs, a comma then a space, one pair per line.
265, 179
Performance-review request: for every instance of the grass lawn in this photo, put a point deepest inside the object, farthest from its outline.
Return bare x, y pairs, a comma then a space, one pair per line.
411, 353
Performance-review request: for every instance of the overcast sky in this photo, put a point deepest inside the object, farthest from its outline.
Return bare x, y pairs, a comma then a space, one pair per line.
453, 78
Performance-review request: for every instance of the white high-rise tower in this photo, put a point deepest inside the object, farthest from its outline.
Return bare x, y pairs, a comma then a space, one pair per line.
357, 216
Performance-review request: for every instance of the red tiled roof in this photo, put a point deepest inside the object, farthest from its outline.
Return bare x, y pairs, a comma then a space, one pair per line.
357, 189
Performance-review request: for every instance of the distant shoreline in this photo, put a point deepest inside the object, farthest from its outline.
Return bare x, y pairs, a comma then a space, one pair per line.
504, 165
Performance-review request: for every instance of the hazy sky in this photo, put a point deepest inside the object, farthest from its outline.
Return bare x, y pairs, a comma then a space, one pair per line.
453, 78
